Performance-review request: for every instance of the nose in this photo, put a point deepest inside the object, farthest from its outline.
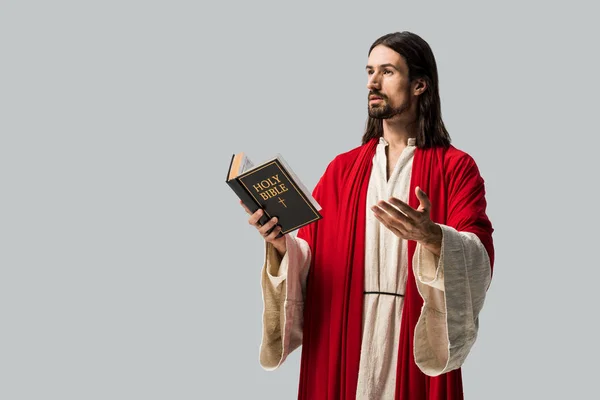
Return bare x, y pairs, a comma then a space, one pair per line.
373, 82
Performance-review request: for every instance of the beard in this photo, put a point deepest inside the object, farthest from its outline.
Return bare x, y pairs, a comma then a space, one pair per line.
384, 110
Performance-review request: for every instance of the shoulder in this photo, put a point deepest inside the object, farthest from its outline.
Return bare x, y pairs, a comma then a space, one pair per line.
348, 158
342, 162
449, 159
460, 167
340, 167
457, 158
458, 162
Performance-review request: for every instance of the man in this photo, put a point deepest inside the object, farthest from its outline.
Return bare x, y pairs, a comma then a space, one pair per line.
385, 291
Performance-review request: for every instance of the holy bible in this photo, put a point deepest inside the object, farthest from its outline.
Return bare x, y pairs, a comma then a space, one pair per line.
275, 188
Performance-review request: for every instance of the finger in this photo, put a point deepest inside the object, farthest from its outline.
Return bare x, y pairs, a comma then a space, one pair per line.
254, 218
425, 204
410, 212
395, 230
266, 228
391, 221
245, 208
394, 212
273, 235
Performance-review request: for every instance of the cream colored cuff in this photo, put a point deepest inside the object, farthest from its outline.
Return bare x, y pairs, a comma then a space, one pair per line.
429, 267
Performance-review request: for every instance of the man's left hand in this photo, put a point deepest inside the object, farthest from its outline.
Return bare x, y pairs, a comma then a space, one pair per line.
410, 224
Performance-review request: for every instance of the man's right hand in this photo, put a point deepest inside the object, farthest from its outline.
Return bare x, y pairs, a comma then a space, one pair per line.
268, 231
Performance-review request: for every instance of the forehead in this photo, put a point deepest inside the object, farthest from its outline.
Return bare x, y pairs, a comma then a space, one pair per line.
384, 55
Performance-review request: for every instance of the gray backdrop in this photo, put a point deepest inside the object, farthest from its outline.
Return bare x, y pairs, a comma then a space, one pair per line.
128, 270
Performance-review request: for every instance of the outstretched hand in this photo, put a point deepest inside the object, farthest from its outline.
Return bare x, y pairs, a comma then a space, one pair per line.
410, 224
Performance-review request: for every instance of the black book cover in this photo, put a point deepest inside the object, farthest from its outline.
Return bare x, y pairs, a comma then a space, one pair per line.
270, 186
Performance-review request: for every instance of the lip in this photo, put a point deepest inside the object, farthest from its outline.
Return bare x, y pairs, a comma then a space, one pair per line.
375, 98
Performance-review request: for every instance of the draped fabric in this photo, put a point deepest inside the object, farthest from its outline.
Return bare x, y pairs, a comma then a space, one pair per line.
334, 298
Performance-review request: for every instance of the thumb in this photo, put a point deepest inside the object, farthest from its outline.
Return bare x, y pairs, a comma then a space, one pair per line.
423, 199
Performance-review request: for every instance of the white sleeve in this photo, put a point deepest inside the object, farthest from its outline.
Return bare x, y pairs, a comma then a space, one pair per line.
283, 283
453, 288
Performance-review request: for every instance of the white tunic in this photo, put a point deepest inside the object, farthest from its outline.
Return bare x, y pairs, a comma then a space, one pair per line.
453, 288
385, 271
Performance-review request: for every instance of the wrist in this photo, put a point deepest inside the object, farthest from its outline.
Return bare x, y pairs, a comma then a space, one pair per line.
433, 242
281, 248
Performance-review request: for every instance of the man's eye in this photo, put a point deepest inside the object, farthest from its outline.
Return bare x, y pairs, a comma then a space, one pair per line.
387, 72
369, 72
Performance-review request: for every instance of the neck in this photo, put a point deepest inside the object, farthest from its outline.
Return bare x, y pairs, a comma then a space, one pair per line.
397, 133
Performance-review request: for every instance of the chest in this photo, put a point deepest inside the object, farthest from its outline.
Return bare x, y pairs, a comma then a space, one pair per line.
390, 175
391, 162
391, 165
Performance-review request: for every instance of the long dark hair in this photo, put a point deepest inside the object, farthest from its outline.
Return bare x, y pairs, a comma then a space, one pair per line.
421, 64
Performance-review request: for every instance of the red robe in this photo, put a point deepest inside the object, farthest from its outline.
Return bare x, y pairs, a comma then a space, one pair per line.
334, 295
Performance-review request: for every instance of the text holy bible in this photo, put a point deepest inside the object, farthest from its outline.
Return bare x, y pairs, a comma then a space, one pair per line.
275, 188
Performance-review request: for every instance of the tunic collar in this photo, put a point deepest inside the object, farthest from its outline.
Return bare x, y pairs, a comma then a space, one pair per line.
411, 141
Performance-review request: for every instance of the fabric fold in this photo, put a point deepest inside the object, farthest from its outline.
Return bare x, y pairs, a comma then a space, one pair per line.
283, 282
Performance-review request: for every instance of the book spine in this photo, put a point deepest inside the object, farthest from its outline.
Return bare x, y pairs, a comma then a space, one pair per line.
247, 199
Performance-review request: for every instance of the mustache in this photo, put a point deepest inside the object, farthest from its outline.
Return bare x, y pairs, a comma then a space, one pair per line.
375, 93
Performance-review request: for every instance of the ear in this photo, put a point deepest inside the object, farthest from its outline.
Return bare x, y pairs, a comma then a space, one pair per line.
419, 86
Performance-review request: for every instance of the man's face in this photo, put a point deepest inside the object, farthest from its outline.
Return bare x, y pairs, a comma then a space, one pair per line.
389, 88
